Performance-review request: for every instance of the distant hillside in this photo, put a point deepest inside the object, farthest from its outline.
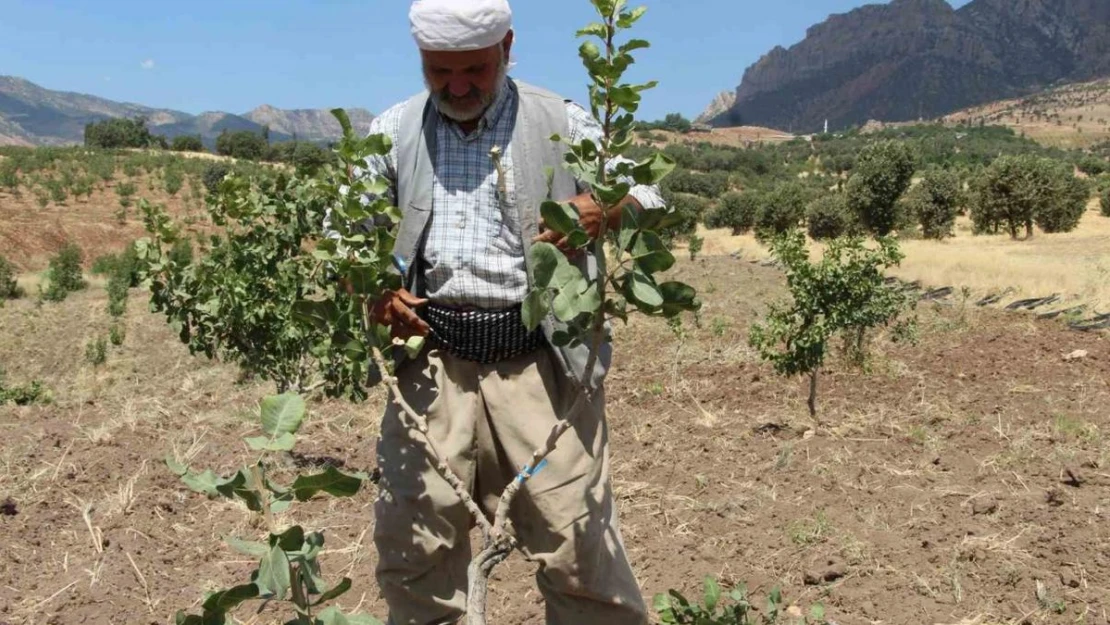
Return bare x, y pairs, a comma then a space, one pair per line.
1075, 115
33, 115
920, 59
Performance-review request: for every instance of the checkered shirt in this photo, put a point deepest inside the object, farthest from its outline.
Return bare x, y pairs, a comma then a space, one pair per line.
473, 255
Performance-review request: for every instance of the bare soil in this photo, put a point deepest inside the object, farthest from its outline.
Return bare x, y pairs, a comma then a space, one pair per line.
942, 485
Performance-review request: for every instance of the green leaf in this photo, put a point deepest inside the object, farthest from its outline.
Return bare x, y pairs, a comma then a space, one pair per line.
678, 297
642, 290
712, 594
612, 196
344, 120
176, 467
281, 442
281, 505
322, 315
634, 44
545, 260
413, 346
225, 600
654, 169
651, 254
273, 574
573, 295
561, 217
291, 539
534, 308
596, 29
335, 591
247, 547
206, 482
282, 414
578, 239
331, 481
627, 19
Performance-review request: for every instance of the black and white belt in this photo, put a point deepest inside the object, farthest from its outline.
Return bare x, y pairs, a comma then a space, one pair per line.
484, 336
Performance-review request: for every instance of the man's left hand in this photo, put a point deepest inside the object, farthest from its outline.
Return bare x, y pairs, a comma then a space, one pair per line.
589, 217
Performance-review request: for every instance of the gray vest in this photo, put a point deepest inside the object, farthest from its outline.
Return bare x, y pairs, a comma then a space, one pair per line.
539, 115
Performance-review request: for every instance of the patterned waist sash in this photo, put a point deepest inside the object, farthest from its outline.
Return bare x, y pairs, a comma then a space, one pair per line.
484, 336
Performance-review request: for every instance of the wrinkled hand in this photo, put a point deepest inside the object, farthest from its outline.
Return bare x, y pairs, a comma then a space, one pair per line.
589, 217
395, 309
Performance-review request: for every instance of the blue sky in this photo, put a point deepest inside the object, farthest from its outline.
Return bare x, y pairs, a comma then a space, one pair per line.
233, 55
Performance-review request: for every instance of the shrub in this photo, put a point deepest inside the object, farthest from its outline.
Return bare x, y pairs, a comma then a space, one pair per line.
711, 185
187, 143
828, 217
214, 174
119, 133
934, 203
22, 395
881, 173
736, 211
1017, 191
96, 351
242, 144
9, 286
9, 176
116, 334
1104, 202
1093, 166
843, 293
781, 210
689, 209
64, 274
174, 181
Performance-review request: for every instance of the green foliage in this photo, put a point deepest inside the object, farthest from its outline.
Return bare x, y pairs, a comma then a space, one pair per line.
242, 144
844, 293
9, 176
1104, 203
64, 273
1093, 166
736, 211
187, 143
674, 122
695, 246
716, 608
882, 172
307, 158
781, 210
119, 133
1017, 191
23, 395
710, 185
96, 351
116, 334
288, 567
174, 181
828, 217
579, 301
9, 286
214, 174
934, 203
686, 211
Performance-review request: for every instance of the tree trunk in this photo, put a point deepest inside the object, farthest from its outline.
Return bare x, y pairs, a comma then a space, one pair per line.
813, 394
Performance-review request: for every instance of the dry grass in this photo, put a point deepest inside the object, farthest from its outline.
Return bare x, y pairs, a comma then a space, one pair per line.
1074, 265
1072, 116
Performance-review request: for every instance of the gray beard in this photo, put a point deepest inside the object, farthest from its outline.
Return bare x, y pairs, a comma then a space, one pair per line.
448, 110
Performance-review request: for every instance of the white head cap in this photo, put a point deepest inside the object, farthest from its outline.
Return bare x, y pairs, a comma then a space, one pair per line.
455, 25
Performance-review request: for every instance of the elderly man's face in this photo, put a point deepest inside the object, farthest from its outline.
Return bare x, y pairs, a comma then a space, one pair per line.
464, 84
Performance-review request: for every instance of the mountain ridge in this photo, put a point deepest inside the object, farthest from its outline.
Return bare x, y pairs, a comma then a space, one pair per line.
34, 115
917, 59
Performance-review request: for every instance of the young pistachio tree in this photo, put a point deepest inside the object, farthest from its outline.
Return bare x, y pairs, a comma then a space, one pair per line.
625, 281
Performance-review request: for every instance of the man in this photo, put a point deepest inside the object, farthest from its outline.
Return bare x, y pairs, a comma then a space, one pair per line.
491, 390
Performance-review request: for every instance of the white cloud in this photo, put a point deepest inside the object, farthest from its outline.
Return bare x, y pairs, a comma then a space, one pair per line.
147, 64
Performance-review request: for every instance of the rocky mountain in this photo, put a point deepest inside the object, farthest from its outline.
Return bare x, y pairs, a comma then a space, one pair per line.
308, 124
33, 115
720, 104
912, 59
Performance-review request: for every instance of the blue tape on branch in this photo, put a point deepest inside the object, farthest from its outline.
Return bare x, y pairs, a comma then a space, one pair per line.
525, 473
399, 263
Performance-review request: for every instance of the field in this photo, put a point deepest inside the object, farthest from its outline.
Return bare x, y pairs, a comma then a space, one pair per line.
961, 480
1071, 116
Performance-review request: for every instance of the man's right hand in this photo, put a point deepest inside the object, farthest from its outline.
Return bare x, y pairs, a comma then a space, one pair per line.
395, 309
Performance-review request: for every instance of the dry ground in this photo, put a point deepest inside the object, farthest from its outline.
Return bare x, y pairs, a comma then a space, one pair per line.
941, 487
1074, 265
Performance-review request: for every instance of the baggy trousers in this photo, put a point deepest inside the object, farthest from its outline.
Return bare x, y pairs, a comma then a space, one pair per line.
488, 420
